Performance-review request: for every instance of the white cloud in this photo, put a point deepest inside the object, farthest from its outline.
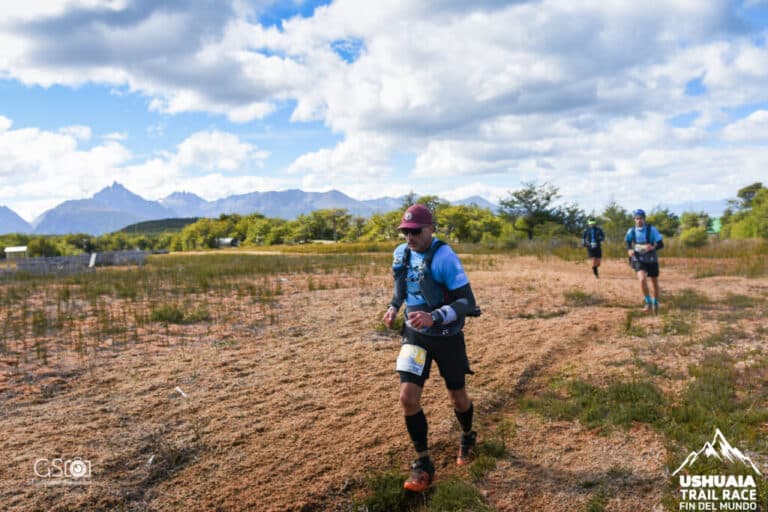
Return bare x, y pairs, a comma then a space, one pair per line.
45, 168
573, 91
42, 168
492, 193
753, 128
82, 133
361, 156
217, 150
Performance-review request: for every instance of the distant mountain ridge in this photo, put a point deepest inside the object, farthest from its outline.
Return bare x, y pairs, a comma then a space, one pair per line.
713, 208
11, 222
110, 209
115, 207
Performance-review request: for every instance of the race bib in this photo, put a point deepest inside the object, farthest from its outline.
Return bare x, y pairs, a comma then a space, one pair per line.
640, 248
411, 359
593, 245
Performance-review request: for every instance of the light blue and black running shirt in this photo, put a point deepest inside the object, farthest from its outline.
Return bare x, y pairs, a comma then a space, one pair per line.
446, 270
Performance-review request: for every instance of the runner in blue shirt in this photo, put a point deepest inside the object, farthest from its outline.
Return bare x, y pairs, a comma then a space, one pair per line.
643, 241
591, 239
437, 299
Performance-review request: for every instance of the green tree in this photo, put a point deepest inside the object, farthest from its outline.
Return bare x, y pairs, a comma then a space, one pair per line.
665, 221
204, 233
690, 220
80, 242
381, 227
356, 228
464, 223
435, 205
326, 224
264, 231
745, 196
615, 221
338, 221
530, 206
572, 218
750, 220
695, 236
42, 246
409, 200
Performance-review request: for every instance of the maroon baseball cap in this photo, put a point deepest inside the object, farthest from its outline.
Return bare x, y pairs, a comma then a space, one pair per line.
416, 216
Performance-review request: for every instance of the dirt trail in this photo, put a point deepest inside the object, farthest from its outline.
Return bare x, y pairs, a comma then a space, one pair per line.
292, 415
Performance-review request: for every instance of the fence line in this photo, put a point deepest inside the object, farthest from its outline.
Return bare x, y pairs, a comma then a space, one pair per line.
80, 262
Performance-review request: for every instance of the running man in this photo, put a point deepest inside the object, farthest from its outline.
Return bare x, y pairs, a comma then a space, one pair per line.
591, 239
643, 240
430, 280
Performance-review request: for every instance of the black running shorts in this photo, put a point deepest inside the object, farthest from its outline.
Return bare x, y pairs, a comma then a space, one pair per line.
652, 269
450, 354
594, 252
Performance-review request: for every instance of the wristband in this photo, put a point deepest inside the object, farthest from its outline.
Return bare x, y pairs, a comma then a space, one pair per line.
437, 318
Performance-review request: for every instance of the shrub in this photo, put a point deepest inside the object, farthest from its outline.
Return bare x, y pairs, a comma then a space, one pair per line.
386, 492
456, 495
694, 237
168, 313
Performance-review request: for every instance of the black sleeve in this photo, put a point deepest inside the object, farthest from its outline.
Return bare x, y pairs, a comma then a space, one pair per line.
399, 294
660, 244
464, 300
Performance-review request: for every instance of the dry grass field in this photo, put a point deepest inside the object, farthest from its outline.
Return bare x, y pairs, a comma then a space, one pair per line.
278, 392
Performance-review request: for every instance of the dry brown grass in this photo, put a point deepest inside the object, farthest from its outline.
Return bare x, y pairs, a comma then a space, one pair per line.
293, 406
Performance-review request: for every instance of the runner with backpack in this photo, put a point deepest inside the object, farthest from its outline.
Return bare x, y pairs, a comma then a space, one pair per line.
591, 239
643, 240
430, 280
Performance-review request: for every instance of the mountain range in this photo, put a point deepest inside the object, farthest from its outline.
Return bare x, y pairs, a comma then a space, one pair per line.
115, 207
10, 222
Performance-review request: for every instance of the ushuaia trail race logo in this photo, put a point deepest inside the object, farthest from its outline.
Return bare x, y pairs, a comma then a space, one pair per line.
718, 492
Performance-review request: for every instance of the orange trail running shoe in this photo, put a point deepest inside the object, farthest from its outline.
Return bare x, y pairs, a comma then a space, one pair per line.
422, 473
466, 448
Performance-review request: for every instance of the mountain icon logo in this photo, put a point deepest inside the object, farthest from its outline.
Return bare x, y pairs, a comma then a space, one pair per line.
720, 449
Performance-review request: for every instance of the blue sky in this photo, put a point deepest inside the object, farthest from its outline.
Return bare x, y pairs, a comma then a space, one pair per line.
645, 103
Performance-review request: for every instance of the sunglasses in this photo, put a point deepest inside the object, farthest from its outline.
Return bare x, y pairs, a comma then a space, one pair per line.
409, 231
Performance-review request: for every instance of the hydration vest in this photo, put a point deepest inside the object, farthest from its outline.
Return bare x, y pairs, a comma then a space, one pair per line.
435, 294
593, 237
650, 256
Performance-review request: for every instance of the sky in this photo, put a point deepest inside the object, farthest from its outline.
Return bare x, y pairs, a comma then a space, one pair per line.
642, 103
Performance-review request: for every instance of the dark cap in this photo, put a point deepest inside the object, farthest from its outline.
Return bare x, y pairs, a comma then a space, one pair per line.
416, 216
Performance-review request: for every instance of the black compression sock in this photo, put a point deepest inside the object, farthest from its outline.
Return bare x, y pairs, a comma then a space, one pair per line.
594, 271
465, 418
417, 429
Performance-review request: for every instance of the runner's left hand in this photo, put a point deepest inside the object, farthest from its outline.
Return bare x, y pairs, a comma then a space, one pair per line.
420, 319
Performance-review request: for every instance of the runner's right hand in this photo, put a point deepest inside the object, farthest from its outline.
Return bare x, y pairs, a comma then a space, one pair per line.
389, 316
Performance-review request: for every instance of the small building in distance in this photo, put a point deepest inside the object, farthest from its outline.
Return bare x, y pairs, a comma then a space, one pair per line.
16, 252
227, 242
